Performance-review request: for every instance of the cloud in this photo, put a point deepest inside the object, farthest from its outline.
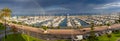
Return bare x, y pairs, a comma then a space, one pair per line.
109, 5
53, 8
57, 6
21, 0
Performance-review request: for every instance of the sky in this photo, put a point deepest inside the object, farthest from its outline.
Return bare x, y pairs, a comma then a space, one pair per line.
51, 7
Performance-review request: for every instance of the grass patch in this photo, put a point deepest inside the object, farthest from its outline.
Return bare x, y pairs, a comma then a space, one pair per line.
114, 37
20, 37
105, 38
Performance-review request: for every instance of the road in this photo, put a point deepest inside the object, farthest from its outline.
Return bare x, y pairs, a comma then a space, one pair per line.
63, 31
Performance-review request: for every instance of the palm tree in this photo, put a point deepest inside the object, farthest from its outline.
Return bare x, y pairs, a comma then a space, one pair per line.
6, 12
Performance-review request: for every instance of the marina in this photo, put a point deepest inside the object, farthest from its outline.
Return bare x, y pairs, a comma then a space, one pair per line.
56, 21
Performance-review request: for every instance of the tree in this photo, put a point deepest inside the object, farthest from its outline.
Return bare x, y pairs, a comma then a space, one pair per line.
45, 28
117, 21
2, 26
20, 23
92, 36
6, 12
80, 27
58, 27
109, 33
109, 36
108, 24
92, 26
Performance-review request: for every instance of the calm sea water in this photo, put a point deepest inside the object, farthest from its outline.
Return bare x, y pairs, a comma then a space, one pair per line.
63, 24
83, 23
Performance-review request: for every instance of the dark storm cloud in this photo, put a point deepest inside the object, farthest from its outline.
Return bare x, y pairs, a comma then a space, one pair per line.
59, 6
